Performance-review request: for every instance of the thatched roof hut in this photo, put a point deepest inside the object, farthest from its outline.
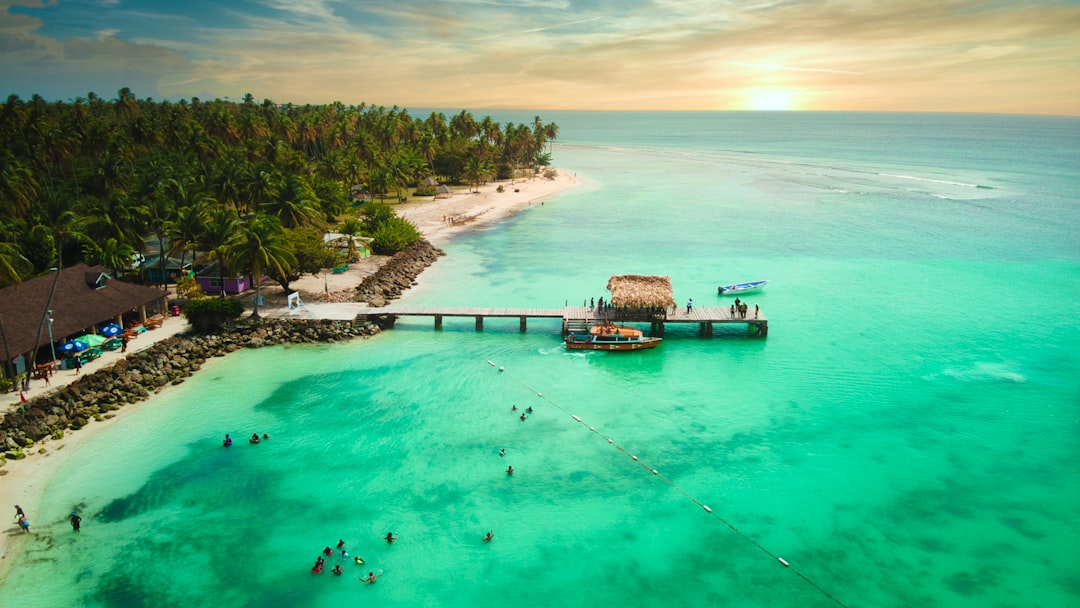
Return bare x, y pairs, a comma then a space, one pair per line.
637, 290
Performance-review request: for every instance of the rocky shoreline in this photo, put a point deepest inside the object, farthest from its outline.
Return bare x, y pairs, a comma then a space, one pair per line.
136, 378
398, 274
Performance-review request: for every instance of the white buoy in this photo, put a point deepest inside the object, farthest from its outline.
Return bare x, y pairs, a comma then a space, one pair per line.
632, 456
610, 441
575, 417
783, 561
491, 363
502, 369
707, 509
539, 394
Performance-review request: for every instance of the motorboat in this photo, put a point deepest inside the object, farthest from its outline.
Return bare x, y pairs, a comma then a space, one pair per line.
740, 287
616, 342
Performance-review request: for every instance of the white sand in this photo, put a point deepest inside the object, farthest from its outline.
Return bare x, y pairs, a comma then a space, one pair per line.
23, 481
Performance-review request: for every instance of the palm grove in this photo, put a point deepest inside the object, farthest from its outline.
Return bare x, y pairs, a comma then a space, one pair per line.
251, 185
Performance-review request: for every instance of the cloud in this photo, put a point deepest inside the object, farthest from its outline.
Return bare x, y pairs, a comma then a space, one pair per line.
637, 54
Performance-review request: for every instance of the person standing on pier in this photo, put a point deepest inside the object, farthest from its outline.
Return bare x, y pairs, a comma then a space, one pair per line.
689, 305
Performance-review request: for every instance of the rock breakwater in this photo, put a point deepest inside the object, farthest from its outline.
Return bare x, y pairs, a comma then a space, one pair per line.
398, 273
135, 378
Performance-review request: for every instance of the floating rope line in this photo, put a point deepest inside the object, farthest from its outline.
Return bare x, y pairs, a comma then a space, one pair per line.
783, 562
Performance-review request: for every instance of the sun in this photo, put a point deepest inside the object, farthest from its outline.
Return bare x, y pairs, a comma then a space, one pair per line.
770, 99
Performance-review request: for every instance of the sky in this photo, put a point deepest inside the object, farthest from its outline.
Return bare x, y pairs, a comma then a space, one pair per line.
985, 56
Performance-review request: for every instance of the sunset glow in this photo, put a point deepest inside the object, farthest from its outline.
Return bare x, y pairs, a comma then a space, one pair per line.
855, 55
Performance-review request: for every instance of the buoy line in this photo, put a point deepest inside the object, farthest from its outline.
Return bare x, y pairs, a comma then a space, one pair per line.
783, 562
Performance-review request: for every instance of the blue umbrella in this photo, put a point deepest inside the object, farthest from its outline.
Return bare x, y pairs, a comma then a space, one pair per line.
111, 330
72, 346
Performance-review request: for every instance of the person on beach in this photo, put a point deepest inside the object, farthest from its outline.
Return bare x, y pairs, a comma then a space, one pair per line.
487, 537
76, 521
78, 365
228, 440
24, 524
19, 512
123, 343
390, 537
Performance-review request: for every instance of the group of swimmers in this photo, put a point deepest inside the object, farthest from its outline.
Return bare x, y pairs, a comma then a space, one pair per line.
254, 439
338, 570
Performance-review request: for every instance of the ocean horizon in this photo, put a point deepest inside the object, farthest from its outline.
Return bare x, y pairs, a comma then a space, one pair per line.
904, 436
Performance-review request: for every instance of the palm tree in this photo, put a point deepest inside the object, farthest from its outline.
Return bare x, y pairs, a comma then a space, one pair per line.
219, 235
185, 230
112, 254
352, 228
261, 246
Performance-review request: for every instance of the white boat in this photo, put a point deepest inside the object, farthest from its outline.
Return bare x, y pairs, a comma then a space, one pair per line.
740, 287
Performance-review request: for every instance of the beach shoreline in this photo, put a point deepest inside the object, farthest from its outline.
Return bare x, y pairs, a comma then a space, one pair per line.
23, 482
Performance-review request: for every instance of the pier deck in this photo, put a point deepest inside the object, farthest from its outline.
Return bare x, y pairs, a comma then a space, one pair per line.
705, 316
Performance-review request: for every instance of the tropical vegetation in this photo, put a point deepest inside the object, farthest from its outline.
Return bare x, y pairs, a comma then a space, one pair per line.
250, 185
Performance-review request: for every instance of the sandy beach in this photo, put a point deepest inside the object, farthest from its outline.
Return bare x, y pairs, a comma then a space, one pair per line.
439, 220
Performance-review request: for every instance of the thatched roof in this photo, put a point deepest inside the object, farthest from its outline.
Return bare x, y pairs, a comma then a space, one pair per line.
640, 290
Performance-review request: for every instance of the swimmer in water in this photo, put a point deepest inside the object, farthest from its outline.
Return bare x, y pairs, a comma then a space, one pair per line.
338, 570
341, 544
228, 440
254, 438
370, 578
509, 470
487, 537
390, 537
528, 410
502, 452
328, 552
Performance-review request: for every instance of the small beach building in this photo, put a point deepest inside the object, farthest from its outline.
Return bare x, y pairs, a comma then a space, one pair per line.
636, 297
213, 281
444, 191
81, 299
174, 268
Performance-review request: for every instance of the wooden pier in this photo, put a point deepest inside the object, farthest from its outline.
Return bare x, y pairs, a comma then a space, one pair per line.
577, 318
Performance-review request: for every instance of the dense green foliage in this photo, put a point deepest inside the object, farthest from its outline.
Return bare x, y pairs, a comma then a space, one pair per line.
91, 180
389, 233
209, 314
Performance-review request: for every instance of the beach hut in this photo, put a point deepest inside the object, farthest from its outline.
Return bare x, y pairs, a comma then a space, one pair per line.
636, 297
638, 291
444, 191
429, 182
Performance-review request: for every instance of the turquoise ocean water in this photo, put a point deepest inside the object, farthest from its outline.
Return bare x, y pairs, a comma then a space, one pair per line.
908, 435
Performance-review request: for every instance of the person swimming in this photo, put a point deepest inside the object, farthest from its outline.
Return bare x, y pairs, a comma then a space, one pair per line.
359, 560
228, 440
487, 537
390, 537
341, 543
509, 470
254, 438
328, 552
338, 570
371, 576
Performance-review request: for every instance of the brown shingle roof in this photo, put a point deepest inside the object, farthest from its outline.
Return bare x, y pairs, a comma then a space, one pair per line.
77, 305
